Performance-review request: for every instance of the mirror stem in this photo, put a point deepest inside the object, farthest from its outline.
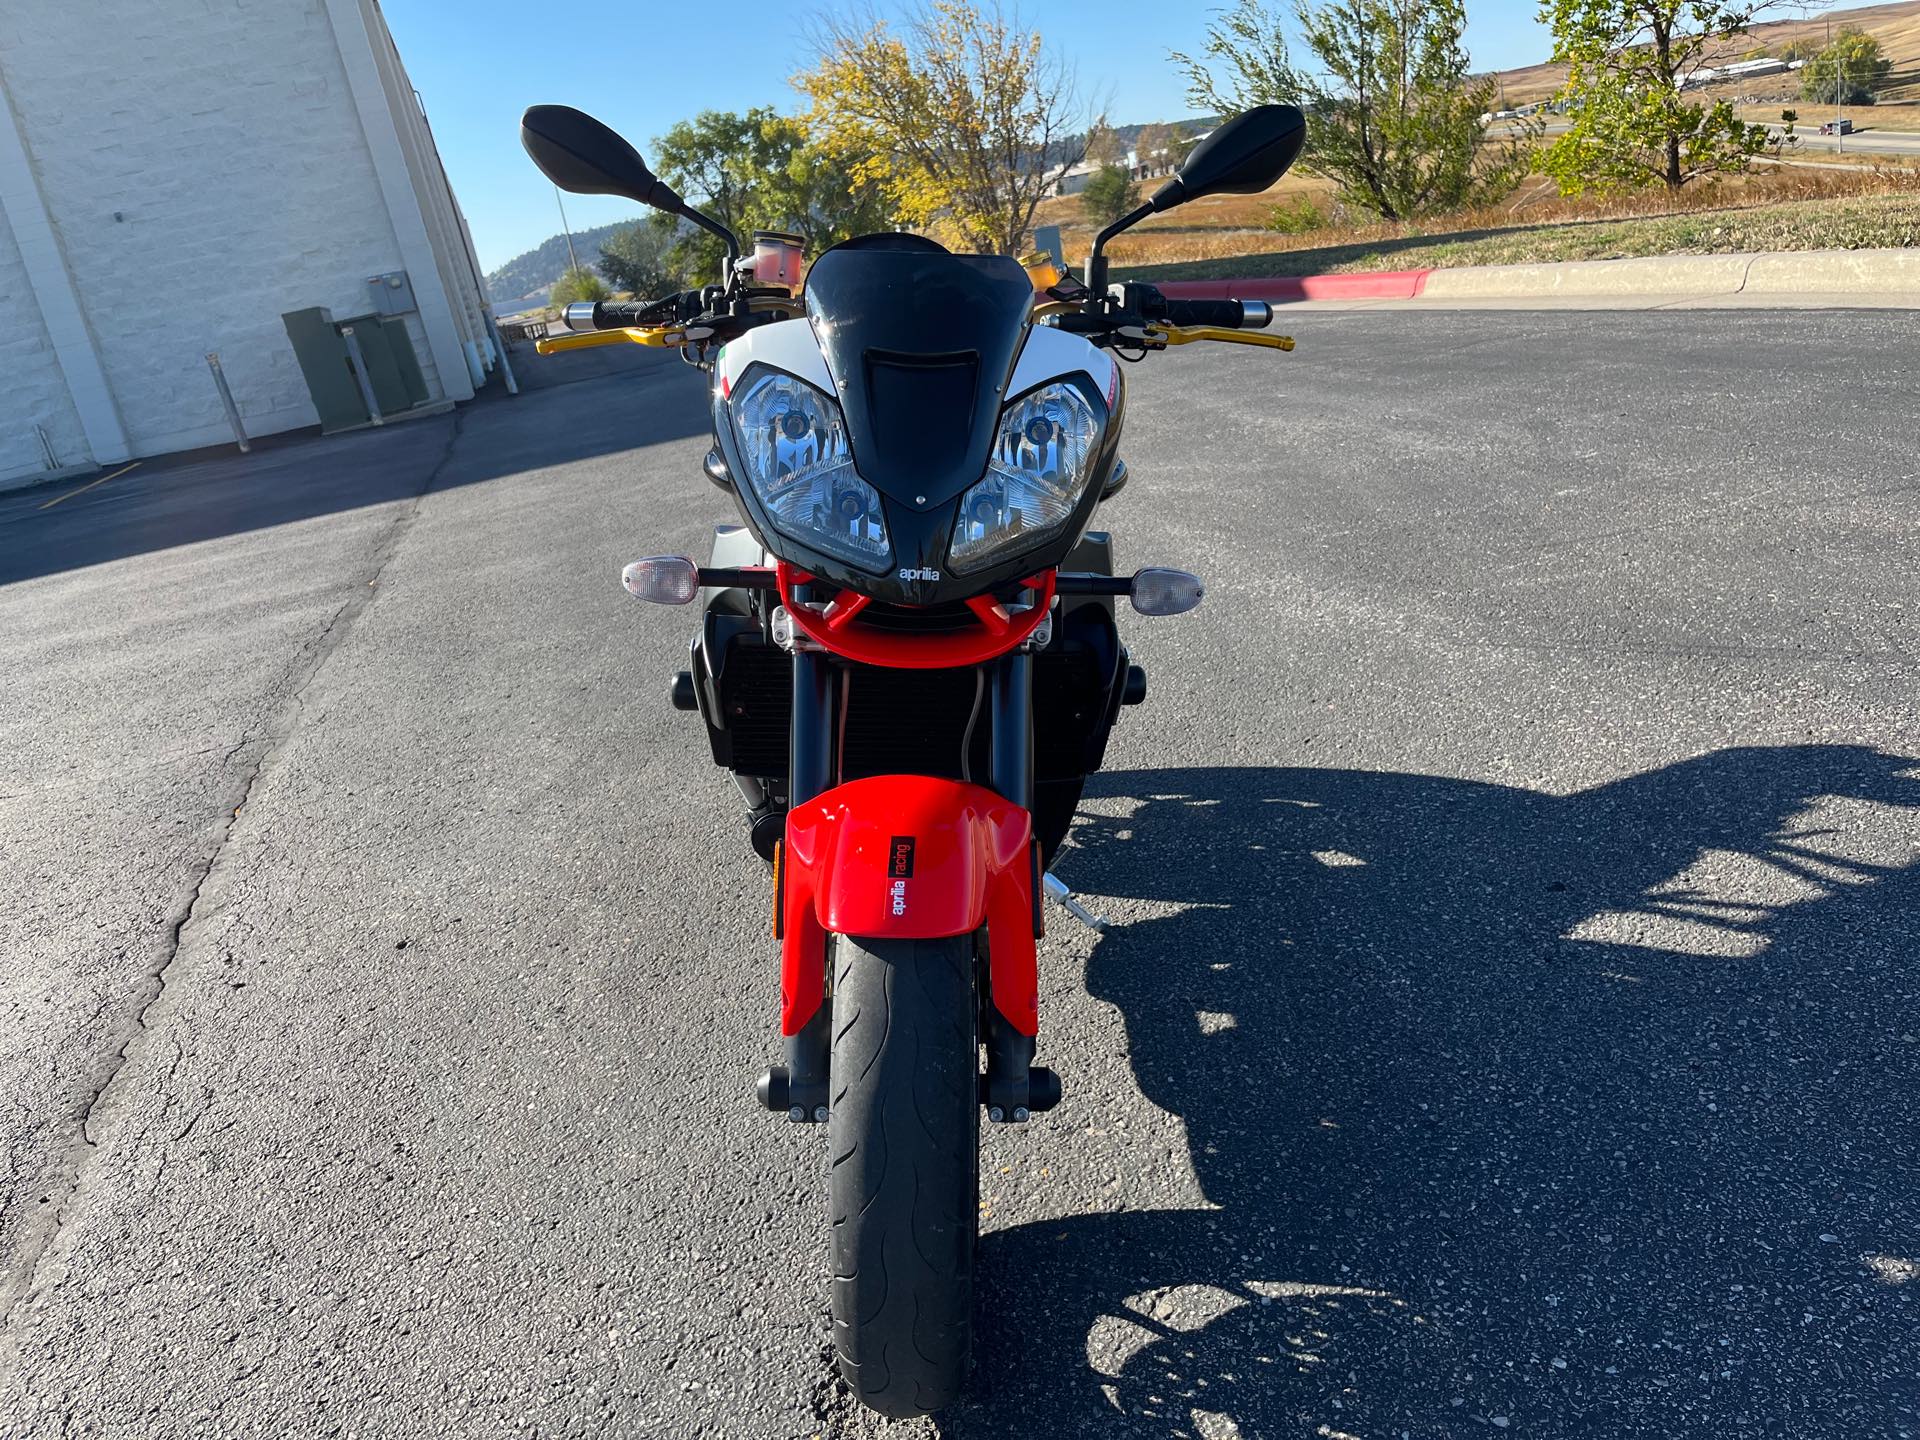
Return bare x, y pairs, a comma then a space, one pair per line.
1097, 262
708, 223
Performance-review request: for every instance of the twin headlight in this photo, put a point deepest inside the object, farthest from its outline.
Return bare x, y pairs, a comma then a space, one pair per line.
801, 468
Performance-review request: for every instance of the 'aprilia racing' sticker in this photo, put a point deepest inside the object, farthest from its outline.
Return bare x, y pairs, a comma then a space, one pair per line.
900, 858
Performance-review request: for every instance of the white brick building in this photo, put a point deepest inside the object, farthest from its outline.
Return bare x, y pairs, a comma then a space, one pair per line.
177, 174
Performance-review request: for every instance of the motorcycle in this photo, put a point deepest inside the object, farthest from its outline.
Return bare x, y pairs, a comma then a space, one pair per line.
907, 657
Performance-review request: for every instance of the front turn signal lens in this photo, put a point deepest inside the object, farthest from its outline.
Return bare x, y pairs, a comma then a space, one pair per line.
662, 579
1165, 592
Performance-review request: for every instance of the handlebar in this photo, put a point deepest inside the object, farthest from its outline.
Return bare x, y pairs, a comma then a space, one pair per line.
1227, 314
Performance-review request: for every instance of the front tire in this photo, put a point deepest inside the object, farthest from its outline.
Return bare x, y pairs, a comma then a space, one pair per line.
904, 1134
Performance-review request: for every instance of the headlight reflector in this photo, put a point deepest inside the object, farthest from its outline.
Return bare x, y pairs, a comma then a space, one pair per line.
801, 468
1042, 459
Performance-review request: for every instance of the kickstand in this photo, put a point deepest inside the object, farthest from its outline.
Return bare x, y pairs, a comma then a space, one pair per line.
1057, 890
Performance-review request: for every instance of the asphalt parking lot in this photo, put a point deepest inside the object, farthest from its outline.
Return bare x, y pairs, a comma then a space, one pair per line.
1510, 1020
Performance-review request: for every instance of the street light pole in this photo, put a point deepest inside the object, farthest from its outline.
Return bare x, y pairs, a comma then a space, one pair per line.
573, 261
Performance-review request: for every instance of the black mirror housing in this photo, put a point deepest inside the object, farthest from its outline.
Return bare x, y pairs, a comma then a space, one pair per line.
1243, 157
584, 157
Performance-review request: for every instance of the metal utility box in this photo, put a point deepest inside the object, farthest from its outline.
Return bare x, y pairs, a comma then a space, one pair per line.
391, 364
392, 293
323, 360
393, 369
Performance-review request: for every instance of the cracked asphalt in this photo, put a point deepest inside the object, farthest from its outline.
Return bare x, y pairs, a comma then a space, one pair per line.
1508, 1022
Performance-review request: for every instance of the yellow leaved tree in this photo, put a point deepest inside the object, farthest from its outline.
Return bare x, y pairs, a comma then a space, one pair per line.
963, 119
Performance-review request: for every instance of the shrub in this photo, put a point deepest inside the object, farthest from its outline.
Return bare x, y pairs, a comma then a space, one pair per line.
1296, 216
1110, 194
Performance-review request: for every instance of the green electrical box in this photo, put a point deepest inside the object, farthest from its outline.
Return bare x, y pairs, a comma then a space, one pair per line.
393, 369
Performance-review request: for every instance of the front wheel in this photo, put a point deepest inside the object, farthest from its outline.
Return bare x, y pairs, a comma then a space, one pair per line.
904, 1133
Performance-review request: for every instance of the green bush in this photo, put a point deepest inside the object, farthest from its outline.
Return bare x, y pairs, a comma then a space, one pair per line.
579, 283
1298, 216
1110, 194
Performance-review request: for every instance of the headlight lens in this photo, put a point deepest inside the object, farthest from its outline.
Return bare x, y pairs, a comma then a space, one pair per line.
1042, 459
801, 468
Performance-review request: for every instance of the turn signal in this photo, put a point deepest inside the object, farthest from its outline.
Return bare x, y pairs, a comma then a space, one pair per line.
1165, 592
662, 579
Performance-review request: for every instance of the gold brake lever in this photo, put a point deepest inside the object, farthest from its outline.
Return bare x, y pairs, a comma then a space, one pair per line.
664, 337
1187, 334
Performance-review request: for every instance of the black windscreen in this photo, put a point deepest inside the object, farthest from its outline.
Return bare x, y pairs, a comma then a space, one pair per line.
921, 345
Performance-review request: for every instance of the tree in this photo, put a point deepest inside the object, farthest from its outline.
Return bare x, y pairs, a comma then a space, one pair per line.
1153, 147
1180, 141
1631, 124
578, 283
961, 118
1393, 116
1103, 144
1849, 71
636, 260
1110, 193
758, 171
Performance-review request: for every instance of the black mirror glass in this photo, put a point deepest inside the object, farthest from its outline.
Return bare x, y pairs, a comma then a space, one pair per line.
580, 155
1243, 157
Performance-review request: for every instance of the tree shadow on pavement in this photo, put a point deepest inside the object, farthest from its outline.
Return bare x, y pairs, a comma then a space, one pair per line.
1565, 1115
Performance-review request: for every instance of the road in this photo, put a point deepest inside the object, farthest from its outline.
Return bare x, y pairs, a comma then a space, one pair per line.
1869, 140
1510, 1021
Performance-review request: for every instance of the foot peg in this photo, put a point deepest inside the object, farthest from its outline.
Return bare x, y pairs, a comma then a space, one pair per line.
1057, 890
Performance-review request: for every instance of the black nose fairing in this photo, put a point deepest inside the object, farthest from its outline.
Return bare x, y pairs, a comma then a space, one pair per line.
921, 345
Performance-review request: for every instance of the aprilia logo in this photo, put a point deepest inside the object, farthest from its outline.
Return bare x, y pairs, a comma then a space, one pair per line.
899, 893
906, 574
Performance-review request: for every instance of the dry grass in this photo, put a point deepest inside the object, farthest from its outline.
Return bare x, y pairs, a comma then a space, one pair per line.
1192, 237
1828, 211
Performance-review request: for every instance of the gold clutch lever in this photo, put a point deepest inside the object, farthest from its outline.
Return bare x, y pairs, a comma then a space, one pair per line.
1187, 334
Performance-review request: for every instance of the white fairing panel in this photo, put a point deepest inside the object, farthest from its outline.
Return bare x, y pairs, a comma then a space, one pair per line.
1050, 354
787, 345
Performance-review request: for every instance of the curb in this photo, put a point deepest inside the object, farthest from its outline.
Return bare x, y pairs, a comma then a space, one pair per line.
1890, 273
1282, 289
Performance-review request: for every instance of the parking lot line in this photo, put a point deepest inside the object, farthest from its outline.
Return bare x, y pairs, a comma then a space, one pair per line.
90, 484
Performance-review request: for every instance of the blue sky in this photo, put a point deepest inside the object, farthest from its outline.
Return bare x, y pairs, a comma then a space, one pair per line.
639, 66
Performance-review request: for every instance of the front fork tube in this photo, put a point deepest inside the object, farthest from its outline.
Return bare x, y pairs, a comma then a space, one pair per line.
1013, 1086
800, 1086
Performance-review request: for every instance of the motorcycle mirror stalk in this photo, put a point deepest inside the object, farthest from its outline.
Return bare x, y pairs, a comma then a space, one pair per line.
1243, 156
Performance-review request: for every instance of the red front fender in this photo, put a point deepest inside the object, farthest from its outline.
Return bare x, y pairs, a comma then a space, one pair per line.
908, 857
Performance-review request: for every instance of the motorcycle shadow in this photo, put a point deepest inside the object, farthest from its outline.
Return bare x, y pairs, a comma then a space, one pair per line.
1580, 1114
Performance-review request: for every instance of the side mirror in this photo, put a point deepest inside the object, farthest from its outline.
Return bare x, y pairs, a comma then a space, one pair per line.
582, 156
1243, 157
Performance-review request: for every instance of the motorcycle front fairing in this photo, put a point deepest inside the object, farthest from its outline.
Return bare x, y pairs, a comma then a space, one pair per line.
921, 350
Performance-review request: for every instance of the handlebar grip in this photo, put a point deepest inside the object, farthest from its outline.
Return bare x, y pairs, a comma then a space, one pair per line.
620, 315
1228, 314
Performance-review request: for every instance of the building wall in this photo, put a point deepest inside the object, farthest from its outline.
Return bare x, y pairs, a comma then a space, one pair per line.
207, 165
33, 391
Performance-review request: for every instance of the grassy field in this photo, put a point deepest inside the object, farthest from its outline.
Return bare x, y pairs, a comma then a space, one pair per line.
1866, 222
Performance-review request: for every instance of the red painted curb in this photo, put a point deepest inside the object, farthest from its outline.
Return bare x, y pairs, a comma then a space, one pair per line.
1374, 285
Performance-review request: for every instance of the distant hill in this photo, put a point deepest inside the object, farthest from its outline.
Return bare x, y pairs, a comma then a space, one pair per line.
1896, 27
531, 275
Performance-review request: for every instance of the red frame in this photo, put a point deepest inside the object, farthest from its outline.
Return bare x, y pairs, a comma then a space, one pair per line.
836, 628
969, 859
